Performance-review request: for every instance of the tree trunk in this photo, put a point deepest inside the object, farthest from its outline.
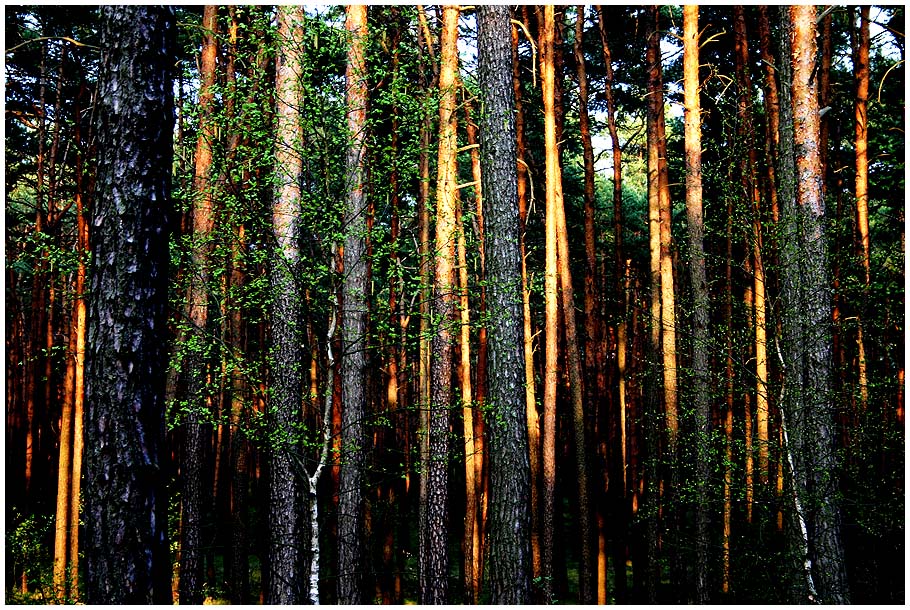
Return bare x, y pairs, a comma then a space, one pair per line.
434, 576
807, 298
353, 322
750, 183
619, 470
861, 143
198, 393
126, 551
283, 414
701, 390
551, 303
509, 550
423, 221
533, 419
471, 541
479, 389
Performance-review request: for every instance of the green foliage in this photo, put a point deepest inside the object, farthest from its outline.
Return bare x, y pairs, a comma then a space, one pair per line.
27, 552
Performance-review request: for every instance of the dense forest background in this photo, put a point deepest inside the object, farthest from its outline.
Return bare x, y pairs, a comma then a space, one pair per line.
651, 349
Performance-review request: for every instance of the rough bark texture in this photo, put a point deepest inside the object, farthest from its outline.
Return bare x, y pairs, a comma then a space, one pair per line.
807, 324
434, 575
701, 390
790, 297
509, 544
126, 552
191, 557
284, 582
354, 322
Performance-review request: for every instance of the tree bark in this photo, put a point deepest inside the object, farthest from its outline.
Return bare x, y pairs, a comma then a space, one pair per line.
423, 222
283, 412
551, 304
532, 416
198, 393
701, 390
807, 323
471, 540
434, 575
509, 547
126, 551
353, 324
861, 145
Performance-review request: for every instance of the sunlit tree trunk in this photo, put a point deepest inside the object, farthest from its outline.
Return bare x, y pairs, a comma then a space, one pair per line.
652, 421
594, 340
471, 540
433, 584
471, 398
701, 391
551, 304
861, 143
806, 302
66, 533
423, 221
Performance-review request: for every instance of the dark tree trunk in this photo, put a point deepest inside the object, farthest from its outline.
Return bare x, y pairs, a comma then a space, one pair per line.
126, 551
509, 549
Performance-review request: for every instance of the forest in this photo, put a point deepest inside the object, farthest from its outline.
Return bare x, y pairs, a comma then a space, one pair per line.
454, 304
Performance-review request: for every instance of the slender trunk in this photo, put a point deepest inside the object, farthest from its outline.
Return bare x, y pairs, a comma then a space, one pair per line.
423, 220
701, 392
78, 394
479, 389
471, 539
652, 427
63, 525
67, 515
354, 322
667, 293
434, 576
532, 416
750, 187
191, 564
861, 144
728, 399
619, 470
551, 304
